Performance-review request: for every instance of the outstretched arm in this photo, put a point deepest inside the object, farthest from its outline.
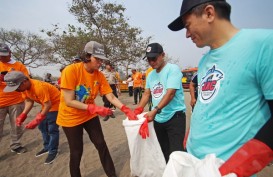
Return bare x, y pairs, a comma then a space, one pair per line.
164, 101
69, 98
22, 117
145, 98
115, 101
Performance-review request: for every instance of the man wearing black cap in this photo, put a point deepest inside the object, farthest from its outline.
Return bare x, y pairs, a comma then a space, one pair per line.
168, 113
233, 114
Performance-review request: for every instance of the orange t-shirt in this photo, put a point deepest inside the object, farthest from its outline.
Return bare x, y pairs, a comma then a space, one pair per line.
137, 78
42, 92
11, 98
86, 87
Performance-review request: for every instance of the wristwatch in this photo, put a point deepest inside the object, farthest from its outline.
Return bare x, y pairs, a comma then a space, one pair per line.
158, 110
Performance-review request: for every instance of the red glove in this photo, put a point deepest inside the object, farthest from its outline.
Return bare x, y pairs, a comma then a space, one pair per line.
251, 158
102, 111
38, 119
129, 113
138, 110
144, 129
20, 119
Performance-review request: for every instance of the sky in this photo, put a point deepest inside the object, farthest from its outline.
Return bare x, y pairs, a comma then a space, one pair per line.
151, 16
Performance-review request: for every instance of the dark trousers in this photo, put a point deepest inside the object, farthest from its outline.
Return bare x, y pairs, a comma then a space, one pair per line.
74, 136
171, 134
137, 93
150, 103
107, 104
130, 90
50, 132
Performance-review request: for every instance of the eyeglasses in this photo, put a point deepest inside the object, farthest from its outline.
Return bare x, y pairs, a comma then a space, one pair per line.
152, 59
87, 61
97, 59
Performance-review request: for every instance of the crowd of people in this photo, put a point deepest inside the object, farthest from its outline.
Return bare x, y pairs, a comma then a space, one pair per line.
232, 107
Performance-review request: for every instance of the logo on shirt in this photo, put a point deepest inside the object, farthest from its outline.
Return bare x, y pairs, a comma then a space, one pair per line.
158, 90
82, 93
96, 83
210, 84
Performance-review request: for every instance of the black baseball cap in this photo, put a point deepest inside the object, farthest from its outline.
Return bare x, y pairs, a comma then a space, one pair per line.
186, 6
153, 50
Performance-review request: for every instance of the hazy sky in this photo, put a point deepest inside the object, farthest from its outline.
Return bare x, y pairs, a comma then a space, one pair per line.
152, 16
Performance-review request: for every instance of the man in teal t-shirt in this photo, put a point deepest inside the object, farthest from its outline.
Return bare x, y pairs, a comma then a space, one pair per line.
168, 113
233, 114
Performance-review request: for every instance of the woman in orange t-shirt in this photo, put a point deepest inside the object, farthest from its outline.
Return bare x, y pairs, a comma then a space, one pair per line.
80, 84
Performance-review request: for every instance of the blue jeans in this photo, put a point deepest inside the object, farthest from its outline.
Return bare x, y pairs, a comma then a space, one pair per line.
50, 132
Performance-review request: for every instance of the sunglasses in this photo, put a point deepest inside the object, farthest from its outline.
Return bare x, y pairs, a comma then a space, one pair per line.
86, 61
97, 59
151, 59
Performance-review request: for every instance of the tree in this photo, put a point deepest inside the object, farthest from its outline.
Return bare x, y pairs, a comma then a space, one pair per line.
68, 44
28, 48
170, 59
104, 23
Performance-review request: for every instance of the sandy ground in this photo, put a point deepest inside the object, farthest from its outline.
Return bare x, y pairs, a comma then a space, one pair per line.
27, 165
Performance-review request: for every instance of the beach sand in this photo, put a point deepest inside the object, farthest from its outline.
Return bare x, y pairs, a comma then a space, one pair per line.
27, 165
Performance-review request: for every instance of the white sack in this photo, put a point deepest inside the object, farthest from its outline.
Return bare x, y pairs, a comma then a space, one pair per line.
147, 159
182, 164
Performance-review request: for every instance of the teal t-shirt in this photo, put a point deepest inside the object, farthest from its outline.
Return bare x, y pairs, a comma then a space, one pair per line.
158, 83
234, 81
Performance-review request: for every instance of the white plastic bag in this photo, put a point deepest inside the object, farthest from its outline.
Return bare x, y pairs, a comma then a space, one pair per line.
182, 164
147, 159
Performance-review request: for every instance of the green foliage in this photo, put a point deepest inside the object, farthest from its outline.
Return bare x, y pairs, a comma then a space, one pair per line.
28, 48
104, 23
100, 21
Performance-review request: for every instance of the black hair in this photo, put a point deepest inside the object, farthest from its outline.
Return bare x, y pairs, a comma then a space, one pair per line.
222, 8
62, 68
84, 57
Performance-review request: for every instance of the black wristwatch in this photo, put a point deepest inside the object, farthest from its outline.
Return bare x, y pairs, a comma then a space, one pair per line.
158, 110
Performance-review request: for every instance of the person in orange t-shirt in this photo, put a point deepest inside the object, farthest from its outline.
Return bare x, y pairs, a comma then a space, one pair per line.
137, 78
49, 97
80, 84
11, 103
